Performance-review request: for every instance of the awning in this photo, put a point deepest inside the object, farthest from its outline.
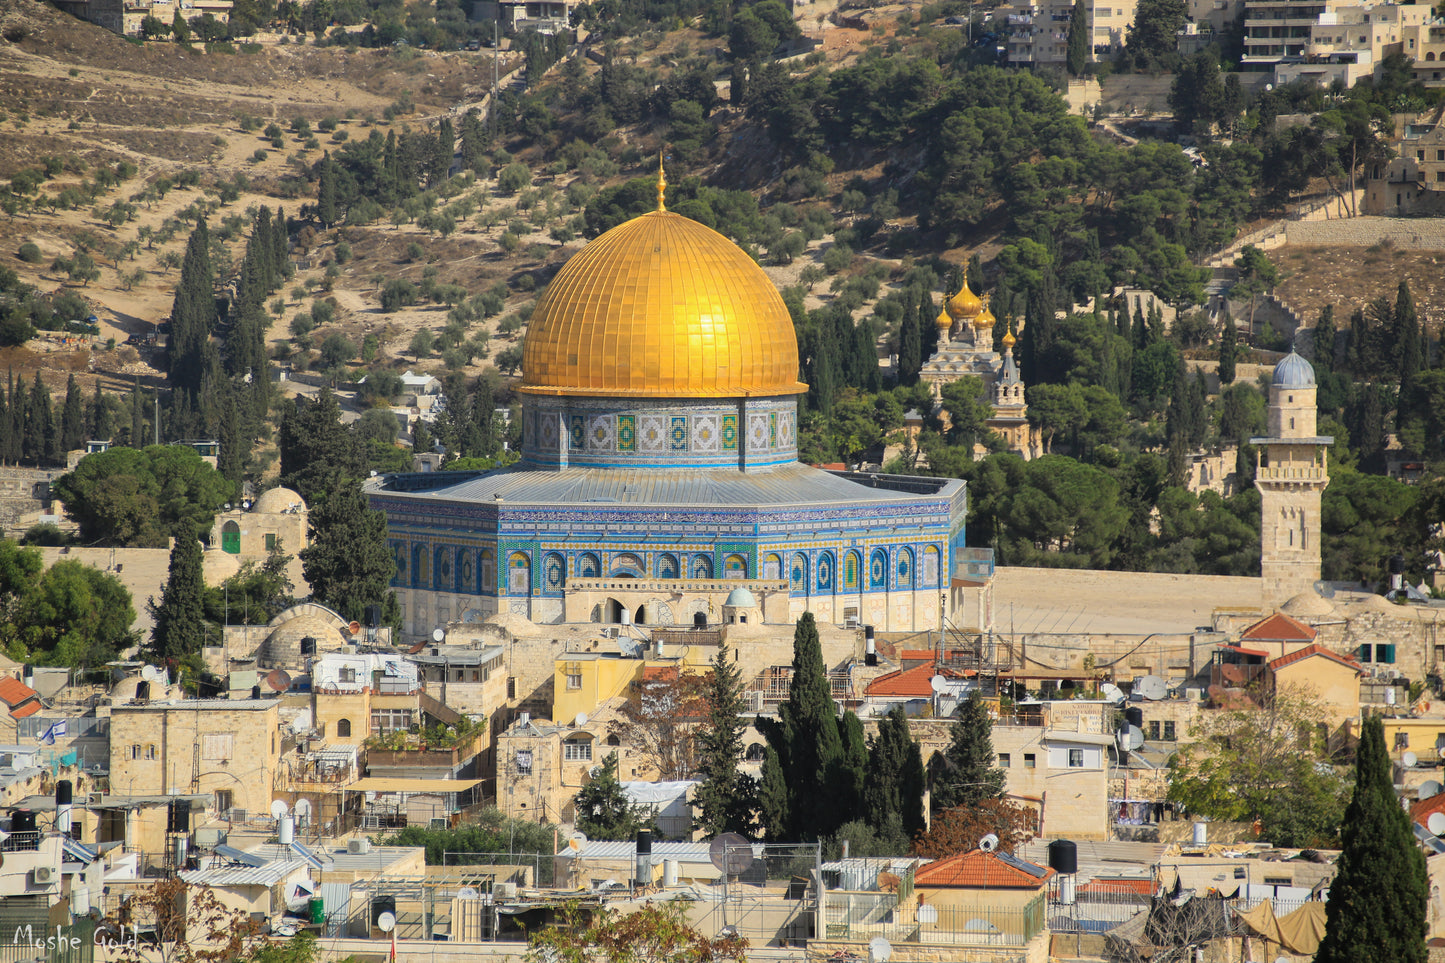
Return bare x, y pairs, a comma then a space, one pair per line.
383, 784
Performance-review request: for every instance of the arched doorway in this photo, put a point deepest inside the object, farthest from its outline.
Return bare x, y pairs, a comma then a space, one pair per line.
613, 611
640, 617
231, 538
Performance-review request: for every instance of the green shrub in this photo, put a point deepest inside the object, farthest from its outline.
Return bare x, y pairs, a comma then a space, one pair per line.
30, 254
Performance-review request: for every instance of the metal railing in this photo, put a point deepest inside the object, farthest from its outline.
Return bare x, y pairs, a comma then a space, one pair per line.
22, 842
863, 916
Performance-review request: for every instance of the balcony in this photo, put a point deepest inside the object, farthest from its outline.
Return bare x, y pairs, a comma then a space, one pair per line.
23, 842
1296, 473
422, 755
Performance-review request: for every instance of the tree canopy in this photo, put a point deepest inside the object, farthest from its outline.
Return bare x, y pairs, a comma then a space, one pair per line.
138, 497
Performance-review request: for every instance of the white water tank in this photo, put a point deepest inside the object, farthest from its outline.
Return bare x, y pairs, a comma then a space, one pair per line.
1201, 834
671, 870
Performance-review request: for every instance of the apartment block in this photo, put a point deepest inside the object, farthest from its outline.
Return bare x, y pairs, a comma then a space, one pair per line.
1325, 41
1038, 33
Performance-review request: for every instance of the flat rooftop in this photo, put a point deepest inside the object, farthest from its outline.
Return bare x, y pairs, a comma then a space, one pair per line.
1066, 601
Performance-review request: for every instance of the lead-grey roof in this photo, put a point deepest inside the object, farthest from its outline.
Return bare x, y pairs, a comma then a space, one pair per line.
794, 485
1294, 372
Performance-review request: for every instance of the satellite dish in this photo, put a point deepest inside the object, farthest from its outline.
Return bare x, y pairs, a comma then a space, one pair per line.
1436, 824
927, 914
731, 854
1409, 759
1130, 738
386, 922
148, 673
354, 628
988, 843
879, 950
438, 634
1430, 788
581, 720
303, 807
468, 892
279, 809
278, 680
577, 842
1152, 688
1113, 693
938, 683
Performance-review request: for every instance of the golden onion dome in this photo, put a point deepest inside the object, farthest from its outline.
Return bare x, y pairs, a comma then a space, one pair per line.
943, 320
985, 319
661, 307
1009, 340
964, 304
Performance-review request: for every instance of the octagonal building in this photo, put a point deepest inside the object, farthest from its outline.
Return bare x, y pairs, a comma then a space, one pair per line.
660, 470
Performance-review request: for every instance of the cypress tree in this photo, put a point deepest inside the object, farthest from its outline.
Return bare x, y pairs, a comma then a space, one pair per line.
326, 209
193, 314
774, 811
910, 349
927, 326
726, 798
1079, 43
1357, 347
852, 769
39, 423
1377, 905
137, 417
180, 617
893, 794
1141, 327
966, 773
807, 744
974, 273
280, 246
234, 450
1325, 338
1228, 351
72, 418
4, 427
1407, 346
348, 564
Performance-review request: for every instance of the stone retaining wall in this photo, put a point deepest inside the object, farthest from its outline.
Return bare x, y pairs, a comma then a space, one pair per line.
1412, 233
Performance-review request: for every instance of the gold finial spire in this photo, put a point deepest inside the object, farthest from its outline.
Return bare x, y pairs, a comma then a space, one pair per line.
661, 184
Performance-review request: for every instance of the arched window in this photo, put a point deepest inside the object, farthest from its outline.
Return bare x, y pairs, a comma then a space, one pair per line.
555, 571
773, 567
519, 574
420, 566
1429, 55
827, 572
850, 572
735, 566
627, 565
667, 565
878, 570
905, 568
588, 566
466, 571
931, 557
487, 571
613, 740
701, 566
443, 569
398, 554
798, 574
343, 728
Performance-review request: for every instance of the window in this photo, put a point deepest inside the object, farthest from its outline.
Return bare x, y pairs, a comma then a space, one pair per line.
1440, 175
1003, 760
218, 747
1169, 732
150, 752
511, 687
1029, 760
343, 728
270, 541
1402, 740
224, 800
1383, 652
577, 750
389, 720
574, 680
348, 673
524, 761
135, 752
1076, 759
1154, 729
1440, 155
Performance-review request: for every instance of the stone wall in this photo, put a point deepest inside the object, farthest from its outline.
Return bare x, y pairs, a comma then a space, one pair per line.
1419, 234
25, 496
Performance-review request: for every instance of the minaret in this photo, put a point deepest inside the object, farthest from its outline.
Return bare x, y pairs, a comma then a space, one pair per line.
1291, 473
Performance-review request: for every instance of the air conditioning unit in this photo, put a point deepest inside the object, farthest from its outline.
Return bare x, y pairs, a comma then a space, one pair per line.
94, 798
358, 847
504, 890
45, 875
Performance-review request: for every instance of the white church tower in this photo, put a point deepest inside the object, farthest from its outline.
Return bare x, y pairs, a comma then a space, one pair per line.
1291, 473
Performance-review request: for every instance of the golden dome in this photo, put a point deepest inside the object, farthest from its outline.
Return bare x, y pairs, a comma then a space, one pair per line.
1009, 340
944, 321
985, 319
661, 307
964, 304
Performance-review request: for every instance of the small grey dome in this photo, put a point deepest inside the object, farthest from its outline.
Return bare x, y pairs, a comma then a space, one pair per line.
1294, 372
741, 598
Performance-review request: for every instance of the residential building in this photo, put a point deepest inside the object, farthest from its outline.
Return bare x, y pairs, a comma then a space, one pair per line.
229, 749
1325, 40
126, 16
1060, 774
1331, 680
1425, 46
1038, 32
1413, 182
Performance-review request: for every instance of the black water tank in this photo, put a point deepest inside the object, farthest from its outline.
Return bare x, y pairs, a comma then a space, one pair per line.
22, 821
868, 633
255, 692
64, 794
699, 620
644, 842
373, 616
1064, 857
178, 819
1397, 564
1134, 716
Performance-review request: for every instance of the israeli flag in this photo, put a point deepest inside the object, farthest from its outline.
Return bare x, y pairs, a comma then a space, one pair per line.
56, 729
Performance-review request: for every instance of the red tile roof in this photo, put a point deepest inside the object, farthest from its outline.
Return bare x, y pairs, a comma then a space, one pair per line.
1425, 808
1307, 652
915, 655
1119, 887
912, 683
978, 870
1278, 628
1243, 651
15, 694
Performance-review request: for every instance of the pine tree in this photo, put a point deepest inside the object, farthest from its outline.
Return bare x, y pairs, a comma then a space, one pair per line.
1079, 44
1377, 907
966, 772
1325, 338
348, 564
1228, 351
180, 617
603, 809
72, 419
725, 799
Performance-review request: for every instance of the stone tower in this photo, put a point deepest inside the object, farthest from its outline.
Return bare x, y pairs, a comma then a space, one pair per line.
1291, 473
